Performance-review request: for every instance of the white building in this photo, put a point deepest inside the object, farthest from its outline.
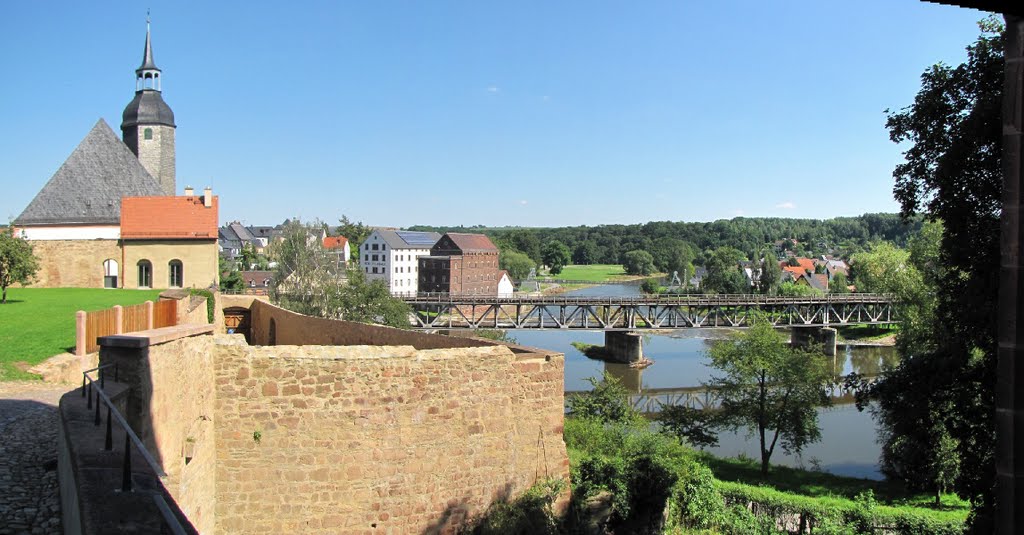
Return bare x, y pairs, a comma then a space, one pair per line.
505, 286
391, 256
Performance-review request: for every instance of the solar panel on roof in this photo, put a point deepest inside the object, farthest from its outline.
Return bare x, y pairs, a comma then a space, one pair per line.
416, 238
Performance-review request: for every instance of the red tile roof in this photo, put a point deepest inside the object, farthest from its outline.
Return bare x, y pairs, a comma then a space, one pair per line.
471, 242
335, 242
797, 271
162, 217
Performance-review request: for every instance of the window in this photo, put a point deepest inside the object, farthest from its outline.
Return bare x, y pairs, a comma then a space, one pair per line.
375, 247
375, 257
252, 283
110, 273
366, 257
374, 270
366, 247
176, 271
147, 133
145, 274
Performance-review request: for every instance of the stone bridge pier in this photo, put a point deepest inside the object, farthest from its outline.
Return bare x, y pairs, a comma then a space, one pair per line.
623, 346
823, 336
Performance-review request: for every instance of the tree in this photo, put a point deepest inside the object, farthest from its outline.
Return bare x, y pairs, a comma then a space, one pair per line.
952, 172
771, 273
526, 241
724, 276
586, 253
556, 256
839, 284
650, 286
885, 269
516, 263
230, 278
308, 280
638, 263
18, 263
770, 388
248, 257
695, 426
356, 233
607, 402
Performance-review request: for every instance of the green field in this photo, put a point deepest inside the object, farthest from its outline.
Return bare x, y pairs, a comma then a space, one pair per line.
38, 323
593, 273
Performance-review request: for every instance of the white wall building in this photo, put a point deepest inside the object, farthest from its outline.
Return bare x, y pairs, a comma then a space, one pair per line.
505, 286
391, 256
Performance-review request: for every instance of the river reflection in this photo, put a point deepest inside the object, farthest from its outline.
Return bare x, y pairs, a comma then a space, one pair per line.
848, 445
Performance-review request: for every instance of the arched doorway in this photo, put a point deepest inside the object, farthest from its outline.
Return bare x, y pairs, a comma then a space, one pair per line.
237, 321
110, 273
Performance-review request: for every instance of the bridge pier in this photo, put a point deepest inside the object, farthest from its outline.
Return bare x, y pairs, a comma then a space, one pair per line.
626, 347
805, 336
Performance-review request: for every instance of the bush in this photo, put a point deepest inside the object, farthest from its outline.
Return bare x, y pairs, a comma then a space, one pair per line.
528, 514
210, 305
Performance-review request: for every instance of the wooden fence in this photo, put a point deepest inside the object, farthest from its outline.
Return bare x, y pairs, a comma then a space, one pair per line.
118, 320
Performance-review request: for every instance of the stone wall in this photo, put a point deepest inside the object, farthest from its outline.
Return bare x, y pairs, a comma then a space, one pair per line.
73, 263
290, 328
341, 439
172, 409
319, 439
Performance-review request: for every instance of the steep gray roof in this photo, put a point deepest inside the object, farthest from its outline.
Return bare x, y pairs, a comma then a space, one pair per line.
147, 55
148, 107
395, 241
89, 186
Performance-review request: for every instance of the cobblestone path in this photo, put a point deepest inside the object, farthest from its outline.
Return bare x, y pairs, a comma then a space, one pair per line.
29, 497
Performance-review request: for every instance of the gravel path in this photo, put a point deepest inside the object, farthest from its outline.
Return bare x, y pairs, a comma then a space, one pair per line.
29, 496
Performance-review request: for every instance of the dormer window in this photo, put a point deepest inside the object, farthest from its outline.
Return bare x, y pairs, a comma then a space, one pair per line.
147, 133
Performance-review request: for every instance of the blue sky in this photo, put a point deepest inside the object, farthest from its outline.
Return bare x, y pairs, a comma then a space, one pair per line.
512, 113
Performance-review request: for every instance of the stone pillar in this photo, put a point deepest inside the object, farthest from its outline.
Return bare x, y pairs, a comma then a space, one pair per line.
623, 346
80, 333
823, 336
1010, 376
118, 319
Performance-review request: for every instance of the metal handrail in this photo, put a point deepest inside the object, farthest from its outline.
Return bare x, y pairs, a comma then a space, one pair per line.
89, 387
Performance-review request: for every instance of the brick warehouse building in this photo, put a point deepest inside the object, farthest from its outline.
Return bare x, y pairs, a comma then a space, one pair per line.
460, 264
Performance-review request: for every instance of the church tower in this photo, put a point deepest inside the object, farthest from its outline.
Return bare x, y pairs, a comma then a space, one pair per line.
147, 125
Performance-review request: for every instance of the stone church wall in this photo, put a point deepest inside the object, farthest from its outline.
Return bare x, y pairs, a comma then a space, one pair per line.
73, 263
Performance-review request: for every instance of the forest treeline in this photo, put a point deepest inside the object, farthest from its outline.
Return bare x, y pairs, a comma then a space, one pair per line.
607, 244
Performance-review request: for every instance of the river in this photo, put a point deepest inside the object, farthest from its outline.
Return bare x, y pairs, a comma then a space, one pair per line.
849, 439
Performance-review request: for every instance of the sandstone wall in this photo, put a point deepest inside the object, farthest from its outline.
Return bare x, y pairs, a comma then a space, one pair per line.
295, 329
379, 439
172, 407
73, 263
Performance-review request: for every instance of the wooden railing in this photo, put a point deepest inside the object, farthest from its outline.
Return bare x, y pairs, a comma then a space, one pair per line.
117, 320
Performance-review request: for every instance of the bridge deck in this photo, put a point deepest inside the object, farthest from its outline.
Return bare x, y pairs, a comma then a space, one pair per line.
455, 311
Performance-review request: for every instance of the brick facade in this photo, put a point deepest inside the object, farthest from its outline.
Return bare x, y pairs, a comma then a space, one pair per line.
460, 264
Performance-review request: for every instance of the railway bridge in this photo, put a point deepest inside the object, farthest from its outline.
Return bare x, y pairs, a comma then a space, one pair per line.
467, 311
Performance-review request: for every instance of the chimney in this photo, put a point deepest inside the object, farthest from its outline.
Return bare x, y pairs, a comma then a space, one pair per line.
208, 197
189, 191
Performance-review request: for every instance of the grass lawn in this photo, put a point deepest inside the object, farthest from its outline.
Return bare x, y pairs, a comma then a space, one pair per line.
38, 323
593, 273
824, 485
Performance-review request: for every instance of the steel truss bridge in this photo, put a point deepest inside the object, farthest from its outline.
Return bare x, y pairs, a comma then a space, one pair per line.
650, 401
454, 311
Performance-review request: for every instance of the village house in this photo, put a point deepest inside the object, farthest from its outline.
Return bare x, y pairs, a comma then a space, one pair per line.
391, 256
338, 246
505, 286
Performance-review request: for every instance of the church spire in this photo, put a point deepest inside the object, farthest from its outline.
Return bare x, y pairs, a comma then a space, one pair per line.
147, 76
